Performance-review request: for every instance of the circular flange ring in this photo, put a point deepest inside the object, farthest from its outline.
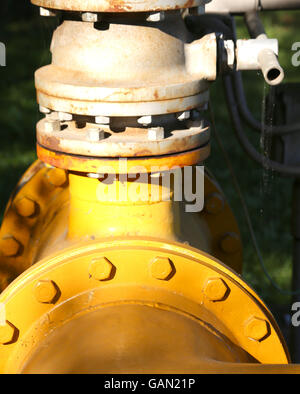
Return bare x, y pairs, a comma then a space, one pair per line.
133, 142
122, 165
196, 284
119, 5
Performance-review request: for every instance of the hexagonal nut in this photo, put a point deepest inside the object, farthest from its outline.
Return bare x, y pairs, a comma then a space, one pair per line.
8, 333
46, 292
26, 207
230, 243
257, 329
10, 246
102, 269
162, 268
57, 177
216, 289
214, 203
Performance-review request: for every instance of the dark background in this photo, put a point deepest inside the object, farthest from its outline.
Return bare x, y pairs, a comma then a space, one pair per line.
268, 196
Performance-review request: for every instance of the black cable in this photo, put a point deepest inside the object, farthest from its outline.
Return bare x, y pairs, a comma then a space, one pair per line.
249, 118
264, 161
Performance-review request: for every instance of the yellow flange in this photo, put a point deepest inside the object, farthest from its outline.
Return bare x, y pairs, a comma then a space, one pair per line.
76, 287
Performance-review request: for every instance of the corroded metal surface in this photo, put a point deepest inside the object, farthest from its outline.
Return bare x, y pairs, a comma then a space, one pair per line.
110, 72
119, 5
110, 165
132, 142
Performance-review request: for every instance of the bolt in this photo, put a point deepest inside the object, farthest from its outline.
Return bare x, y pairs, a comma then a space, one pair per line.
26, 207
44, 110
102, 119
257, 329
216, 289
46, 12
156, 134
156, 17
8, 333
64, 116
101, 269
95, 135
57, 177
162, 268
46, 292
214, 203
10, 246
89, 17
230, 243
52, 125
145, 120
183, 116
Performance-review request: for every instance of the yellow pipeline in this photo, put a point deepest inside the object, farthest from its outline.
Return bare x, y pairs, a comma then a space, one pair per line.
112, 208
119, 271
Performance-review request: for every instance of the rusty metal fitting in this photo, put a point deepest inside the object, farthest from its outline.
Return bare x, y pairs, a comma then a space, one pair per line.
117, 6
46, 292
112, 165
135, 141
172, 79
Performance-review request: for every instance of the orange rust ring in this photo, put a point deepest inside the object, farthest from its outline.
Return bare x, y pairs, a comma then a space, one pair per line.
100, 165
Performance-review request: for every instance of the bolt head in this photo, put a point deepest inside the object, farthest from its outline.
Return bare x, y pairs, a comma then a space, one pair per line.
89, 17
145, 120
162, 268
8, 333
214, 203
44, 110
95, 135
230, 243
10, 246
156, 134
156, 17
57, 177
216, 289
105, 120
46, 291
184, 116
64, 116
46, 12
52, 125
26, 207
101, 269
257, 329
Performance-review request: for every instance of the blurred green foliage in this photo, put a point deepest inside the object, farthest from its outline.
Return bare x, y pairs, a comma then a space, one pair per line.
27, 37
